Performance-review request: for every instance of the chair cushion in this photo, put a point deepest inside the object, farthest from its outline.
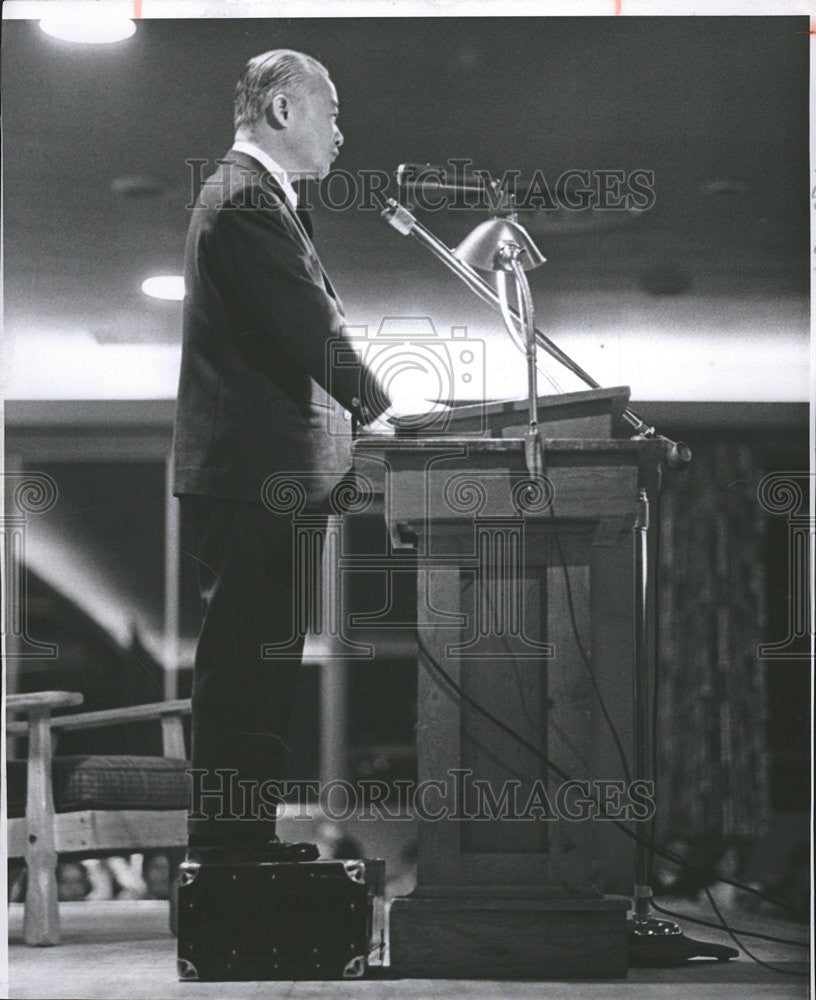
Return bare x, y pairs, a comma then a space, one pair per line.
106, 782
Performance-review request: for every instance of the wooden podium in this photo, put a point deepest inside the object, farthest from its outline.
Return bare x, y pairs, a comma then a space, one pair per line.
518, 874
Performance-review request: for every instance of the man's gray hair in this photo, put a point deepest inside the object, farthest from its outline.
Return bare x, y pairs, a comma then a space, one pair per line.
269, 73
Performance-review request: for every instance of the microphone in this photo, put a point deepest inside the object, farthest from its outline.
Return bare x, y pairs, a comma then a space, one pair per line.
677, 454
426, 182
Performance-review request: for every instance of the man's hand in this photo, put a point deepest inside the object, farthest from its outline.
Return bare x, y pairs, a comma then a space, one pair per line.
382, 424
416, 412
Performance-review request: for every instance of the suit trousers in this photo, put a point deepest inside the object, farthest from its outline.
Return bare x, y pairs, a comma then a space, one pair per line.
257, 570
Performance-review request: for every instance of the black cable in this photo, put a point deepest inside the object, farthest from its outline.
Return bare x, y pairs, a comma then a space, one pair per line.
488, 714
740, 945
659, 849
719, 927
563, 775
584, 656
653, 847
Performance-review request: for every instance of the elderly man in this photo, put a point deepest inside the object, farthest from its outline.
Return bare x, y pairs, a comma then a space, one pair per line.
259, 405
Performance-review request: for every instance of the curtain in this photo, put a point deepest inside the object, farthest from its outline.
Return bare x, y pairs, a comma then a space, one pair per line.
711, 757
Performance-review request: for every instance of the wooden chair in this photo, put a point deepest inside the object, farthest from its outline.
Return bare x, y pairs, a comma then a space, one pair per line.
92, 805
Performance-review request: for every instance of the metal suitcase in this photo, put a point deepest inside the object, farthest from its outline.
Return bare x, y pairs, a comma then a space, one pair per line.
265, 921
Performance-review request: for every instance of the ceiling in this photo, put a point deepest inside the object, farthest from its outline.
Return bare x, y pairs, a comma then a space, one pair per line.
704, 295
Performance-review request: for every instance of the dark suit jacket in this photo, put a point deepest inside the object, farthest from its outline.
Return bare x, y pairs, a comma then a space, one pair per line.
257, 394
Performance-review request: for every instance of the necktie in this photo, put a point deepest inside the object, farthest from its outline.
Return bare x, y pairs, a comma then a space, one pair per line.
304, 217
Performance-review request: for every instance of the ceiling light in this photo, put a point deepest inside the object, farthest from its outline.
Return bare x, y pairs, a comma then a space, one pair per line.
726, 185
88, 24
165, 286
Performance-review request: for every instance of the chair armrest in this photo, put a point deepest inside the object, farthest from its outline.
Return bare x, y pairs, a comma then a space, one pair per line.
105, 717
41, 700
116, 716
37, 706
170, 713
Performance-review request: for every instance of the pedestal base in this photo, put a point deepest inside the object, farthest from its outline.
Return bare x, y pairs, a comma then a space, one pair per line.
483, 937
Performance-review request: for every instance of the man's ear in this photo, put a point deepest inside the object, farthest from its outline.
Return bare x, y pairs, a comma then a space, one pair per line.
277, 112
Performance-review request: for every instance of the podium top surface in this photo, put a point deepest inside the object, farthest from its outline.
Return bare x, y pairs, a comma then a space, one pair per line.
477, 445
591, 413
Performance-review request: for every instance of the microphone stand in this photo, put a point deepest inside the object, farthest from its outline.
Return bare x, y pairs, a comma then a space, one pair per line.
652, 942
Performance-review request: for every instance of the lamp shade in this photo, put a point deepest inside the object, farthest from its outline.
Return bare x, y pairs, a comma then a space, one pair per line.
482, 248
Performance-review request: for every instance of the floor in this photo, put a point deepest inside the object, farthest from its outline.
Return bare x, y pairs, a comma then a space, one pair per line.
115, 950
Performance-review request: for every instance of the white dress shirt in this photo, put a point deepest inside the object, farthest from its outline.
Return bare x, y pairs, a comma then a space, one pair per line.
274, 168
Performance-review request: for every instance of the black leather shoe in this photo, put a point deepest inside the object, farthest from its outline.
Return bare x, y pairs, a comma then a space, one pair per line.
274, 850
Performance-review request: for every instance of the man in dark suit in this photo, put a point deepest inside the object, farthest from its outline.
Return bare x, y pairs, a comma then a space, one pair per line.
259, 406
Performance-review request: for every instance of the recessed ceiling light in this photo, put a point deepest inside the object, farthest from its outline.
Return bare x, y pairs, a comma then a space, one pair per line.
88, 24
165, 286
725, 185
